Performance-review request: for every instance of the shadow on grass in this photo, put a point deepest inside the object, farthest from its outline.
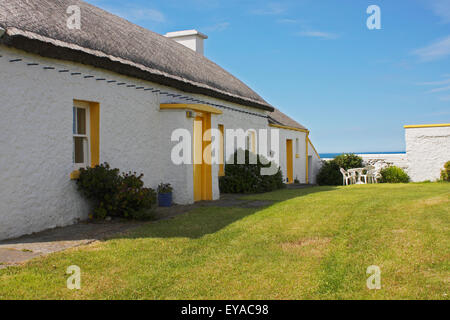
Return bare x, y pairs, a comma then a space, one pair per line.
211, 217
191, 221
287, 194
193, 225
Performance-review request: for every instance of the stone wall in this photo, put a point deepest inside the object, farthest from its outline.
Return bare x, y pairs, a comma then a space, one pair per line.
428, 149
385, 160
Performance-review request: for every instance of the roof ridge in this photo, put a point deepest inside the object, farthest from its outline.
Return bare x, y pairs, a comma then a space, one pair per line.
282, 119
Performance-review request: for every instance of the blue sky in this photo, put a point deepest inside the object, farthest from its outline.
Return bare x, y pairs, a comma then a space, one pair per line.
317, 61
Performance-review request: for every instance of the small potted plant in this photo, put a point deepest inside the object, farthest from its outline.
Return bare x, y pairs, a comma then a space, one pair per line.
165, 195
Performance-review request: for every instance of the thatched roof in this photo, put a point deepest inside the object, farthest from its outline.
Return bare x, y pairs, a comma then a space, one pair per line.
110, 42
279, 118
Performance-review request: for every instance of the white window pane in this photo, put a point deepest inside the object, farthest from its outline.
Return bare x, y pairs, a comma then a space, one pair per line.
81, 121
79, 148
74, 120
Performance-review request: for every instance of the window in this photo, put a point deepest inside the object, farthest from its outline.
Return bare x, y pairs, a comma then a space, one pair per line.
297, 148
81, 127
250, 141
253, 141
86, 136
221, 151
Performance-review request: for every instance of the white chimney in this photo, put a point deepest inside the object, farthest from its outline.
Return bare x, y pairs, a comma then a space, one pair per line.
189, 38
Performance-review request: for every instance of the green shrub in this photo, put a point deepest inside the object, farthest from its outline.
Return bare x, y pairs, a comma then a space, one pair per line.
133, 200
445, 173
349, 161
394, 175
330, 174
247, 178
100, 182
115, 194
164, 188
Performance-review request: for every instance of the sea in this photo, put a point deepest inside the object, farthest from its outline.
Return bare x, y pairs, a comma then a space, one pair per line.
334, 155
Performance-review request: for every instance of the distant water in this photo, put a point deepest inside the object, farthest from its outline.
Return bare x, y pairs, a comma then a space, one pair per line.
333, 155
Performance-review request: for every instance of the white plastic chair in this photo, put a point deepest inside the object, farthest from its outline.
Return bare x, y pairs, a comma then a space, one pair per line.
376, 176
365, 176
346, 177
373, 175
353, 176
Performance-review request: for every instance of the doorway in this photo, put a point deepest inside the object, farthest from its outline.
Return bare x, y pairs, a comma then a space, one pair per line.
310, 170
202, 157
289, 162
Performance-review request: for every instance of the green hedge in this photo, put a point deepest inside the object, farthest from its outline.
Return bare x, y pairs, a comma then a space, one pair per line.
445, 174
115, 194
329, 174
247, 178
394, 175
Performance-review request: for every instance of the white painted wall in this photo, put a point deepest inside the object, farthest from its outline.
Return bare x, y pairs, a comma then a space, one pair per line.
36, 157
234, 120
229, 119
381, 161
428, 149
316, 164
299, 149
36, 143
299, 163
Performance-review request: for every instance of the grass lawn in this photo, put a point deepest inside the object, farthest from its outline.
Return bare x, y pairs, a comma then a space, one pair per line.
311, 244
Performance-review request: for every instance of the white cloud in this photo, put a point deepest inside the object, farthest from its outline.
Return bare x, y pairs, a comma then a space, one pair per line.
143, 14
439, 89
434, 83
441, 86
318, 34
270, 9
289, 21
131, 12
437, 50
217, 27
441, 8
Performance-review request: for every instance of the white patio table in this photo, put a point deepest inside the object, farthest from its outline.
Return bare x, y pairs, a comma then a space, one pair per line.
359, 172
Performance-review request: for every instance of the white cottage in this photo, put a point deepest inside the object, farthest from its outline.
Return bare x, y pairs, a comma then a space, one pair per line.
113, 92
299, 159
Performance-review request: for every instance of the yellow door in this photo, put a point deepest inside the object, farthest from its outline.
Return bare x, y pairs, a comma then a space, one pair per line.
198, 151
289, 162
202, 169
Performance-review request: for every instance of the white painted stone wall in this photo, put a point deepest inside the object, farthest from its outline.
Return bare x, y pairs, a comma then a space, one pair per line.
36, 141
229, 119
234, 120
428, 149
316, 164
395, 159
299, 164
384, 160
